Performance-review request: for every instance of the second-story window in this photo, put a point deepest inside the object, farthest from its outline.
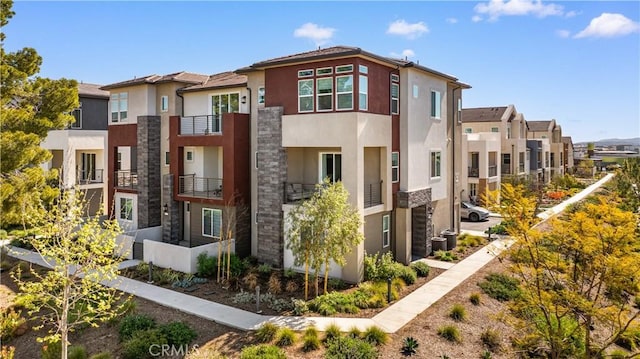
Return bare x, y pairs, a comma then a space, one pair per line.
325, 93
435, 164
261, 95
119, 107
395, 94
435, 104
509, 131
77, 115
225, 103
395, 167
305, 95
164, 103
344, 92
494, 129
363, 90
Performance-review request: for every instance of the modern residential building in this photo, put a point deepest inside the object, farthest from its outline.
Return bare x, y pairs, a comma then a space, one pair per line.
551, 131
508, 157
539, 150
388, 129
567, 145
79, 152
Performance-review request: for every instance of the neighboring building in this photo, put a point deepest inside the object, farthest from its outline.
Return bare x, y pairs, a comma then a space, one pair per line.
568, 154
79, 151
481, 164
388, 129
552, 132
539, 158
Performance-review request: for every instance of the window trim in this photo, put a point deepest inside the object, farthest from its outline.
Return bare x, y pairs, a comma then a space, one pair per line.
261, 93
312, 96
396, 99
119, 98
186, 155
386, 233
496, 129
320, 164
318, 94
436, 104
130, 214
343, 69
395, 179
79, 118
363, 69
305, 73
167, 158
322, 71
338, 108
468, 130
213, 234
435, 158
365, 93
395, 78
164, 103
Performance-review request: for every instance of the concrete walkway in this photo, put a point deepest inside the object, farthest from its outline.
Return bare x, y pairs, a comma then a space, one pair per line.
391, 319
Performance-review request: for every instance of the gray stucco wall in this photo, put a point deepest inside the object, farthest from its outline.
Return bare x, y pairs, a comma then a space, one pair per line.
95, 115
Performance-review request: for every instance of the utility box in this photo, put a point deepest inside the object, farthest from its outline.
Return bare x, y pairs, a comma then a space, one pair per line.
438, 244
452, 238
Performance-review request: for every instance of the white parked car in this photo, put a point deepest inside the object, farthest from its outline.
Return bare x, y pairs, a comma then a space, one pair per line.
472, 212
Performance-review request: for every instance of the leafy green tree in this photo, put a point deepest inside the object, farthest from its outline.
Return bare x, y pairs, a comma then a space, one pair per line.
80, 252
322, 229
576, 274
627, 184
31, 106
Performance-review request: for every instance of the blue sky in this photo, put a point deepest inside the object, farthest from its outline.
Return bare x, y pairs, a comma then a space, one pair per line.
577, 62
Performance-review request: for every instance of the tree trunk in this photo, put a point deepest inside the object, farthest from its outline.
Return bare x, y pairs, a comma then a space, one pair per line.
64, 326
326, 276
219, 260
306, 279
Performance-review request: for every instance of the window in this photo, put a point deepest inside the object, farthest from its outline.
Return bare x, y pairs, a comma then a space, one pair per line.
119, 106
164, 103
189, 156
211, 222
363, 89
344, 92
363, 69
167, 159
305, 95
435, 104
395, 78
305, 73
255, 159
325, 93
385, 230
473, 190
395, 166
416, 91
261, 95
77, 115
126, 209
506, 160
324, 71
395, 95
543, 136
494, 129
344, 68
119, 162
468, 130
224, 103
435, 164
509, 132
331, 167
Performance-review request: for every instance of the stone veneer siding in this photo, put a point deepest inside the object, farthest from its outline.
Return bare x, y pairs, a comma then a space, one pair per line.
171, 222
149, 181
421, 223
272, 174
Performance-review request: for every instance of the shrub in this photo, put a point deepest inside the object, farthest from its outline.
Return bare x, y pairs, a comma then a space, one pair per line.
178, 333
422, 269
11, 324
409, 346
7, 352
474, 298
500, 287
445, 256
407, 274
491, 339
331, 332
354, 332
267, 332
134, 323
265, 269
206, 265
486, 355
76, 352
334, 302
630, 339
250, 280
285, 337
375, 335
274, 286
103, 355
458, 313
54, 351
450, 333
501, 228
289, 273
208, 352
300, 306
291, 286
350, 348
336, 284
636, 301
617, 354
138, 345
262, 351
310, 340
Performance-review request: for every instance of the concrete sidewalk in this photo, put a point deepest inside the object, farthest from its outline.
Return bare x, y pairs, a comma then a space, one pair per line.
391, 319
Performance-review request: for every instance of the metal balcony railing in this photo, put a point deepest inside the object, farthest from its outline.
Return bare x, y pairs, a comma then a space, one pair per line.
201, 125
126, 179
90, 176
295, 192
200, 187
474, 172
372, 194
493, 171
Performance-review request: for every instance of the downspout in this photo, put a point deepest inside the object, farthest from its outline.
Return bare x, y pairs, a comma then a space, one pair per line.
453, 157
181, 102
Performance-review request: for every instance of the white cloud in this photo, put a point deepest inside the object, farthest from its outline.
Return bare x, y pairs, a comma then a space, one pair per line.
476, 18
407, 53
319, 35
496, 8
571, 14
403, 28
609, 25
452, 20
563, 33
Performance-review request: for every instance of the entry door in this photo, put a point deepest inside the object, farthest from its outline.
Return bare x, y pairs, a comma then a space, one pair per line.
187, 222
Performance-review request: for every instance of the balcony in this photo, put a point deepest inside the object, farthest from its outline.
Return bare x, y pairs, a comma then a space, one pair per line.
474, 172
296, 192
372, 194
126, 179
88, 177
201, 125
493, 171
200, 187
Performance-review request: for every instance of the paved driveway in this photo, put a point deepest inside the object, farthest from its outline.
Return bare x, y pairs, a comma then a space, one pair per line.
480, 226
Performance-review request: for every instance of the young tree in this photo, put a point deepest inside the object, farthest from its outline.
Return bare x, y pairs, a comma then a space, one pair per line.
575, 276
80, 252
322, 229
31, 106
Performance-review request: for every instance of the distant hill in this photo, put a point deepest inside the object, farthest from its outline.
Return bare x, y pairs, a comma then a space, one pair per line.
616, 141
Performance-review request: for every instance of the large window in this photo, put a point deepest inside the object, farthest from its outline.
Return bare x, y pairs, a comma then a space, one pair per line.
305, 95
344, 92
435, 164
211, 222
331, 167
435, 104
126, 209
395, 166
119, 107
225, 103
363, 89
325, 93
386, 223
